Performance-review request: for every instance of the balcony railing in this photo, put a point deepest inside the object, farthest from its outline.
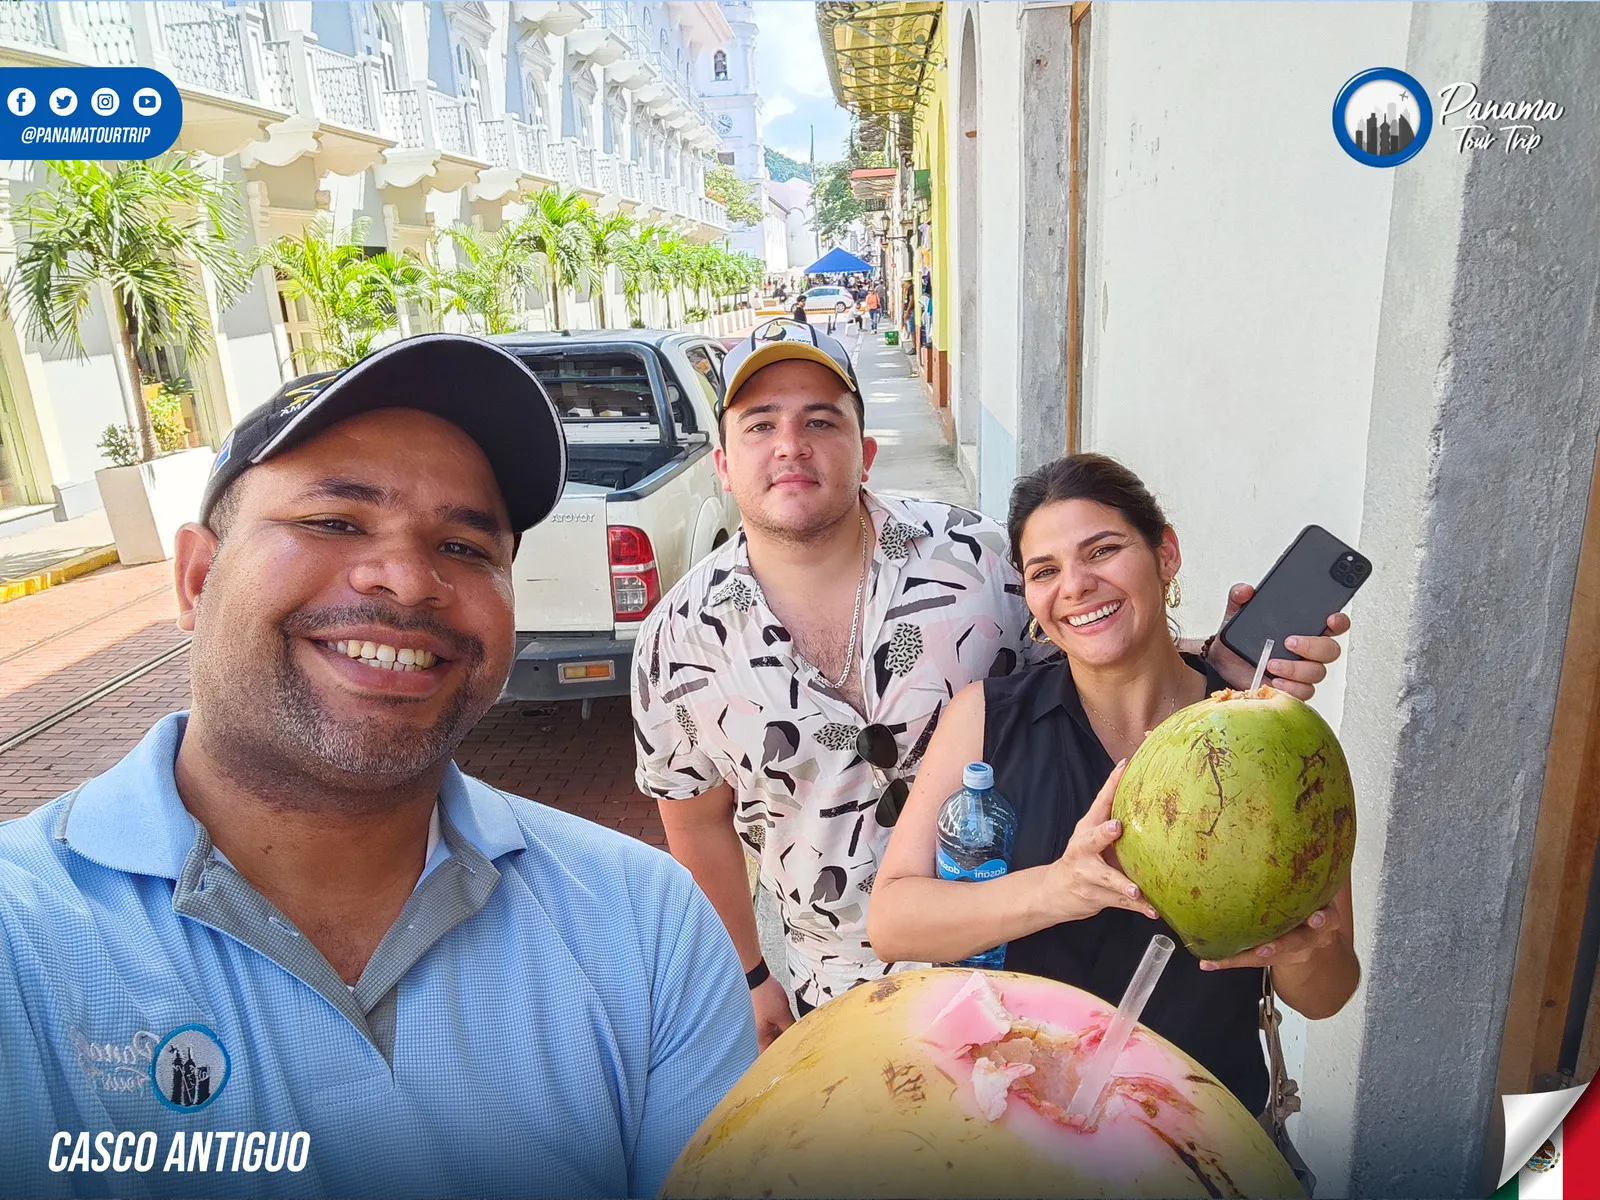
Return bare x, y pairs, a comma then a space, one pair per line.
205, 46
343, 89
605, 174
277, 80
454, 119
583, 156
561, 169
107, 26
403, 115
529, 140
26, 22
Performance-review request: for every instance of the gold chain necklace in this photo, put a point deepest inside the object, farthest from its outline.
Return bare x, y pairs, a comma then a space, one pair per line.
855, 619
1170, 700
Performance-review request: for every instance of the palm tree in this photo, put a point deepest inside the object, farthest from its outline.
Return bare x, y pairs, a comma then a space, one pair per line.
554, 227
610, 242
633, 266
352, 297
673, 269
492, 277
147, 228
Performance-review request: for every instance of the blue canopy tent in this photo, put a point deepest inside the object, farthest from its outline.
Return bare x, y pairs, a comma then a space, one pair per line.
839, 261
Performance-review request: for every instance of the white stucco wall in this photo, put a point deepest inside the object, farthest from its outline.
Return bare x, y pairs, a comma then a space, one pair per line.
1233, 282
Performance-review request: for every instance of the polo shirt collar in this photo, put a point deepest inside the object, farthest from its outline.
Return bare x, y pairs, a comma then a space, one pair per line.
131, 818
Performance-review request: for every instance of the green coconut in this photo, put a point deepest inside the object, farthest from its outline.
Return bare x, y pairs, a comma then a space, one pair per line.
1239, 819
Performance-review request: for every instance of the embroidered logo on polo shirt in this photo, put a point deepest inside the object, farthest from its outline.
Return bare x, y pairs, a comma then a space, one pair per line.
116, 1067
190, 1068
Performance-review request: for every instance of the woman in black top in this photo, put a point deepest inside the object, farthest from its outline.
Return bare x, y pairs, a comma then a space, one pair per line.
1098, 560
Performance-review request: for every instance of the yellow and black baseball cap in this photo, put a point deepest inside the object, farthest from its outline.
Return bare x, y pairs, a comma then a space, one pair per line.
467, 381
784, 340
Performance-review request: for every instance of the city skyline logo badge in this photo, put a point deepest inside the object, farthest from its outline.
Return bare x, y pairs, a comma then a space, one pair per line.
1382, 117
189, 1068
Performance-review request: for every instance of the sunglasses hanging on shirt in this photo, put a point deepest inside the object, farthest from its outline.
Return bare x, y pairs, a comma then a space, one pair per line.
877, 748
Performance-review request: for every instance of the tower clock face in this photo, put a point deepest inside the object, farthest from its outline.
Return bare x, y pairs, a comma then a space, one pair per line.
725, 124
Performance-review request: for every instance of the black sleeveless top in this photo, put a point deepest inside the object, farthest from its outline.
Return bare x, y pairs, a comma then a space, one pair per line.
1048, 762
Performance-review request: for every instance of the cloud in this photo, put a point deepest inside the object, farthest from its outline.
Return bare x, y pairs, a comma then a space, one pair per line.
792, 78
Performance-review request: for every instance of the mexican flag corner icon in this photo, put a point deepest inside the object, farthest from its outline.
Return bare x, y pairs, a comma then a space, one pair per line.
1552, 1147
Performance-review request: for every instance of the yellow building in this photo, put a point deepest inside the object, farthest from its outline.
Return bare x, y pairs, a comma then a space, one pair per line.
886, 64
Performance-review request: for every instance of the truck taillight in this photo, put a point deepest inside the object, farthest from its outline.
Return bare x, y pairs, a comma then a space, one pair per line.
635, 582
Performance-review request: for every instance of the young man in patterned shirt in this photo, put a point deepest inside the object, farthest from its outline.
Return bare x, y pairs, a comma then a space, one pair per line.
785, 689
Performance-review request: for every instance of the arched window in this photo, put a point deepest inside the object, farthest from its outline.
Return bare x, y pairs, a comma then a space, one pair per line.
719, 64
533, 100
467, 83
387, 52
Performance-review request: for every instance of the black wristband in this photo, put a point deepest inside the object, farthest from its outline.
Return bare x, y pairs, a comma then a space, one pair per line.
757, 975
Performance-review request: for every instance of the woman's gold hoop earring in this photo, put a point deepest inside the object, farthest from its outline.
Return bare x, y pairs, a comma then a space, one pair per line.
1034, 631
1174, 592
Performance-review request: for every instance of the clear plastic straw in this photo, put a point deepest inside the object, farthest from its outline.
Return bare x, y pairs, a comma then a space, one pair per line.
1261, 665
1086, 1100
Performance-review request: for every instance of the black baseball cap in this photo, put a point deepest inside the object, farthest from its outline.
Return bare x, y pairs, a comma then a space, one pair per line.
783, 340
471, 383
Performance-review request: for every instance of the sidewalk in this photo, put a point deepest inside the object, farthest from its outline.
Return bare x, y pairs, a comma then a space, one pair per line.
40, 558
913, 457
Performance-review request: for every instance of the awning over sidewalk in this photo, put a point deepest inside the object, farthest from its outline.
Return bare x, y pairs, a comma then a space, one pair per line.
879, 57
838, 261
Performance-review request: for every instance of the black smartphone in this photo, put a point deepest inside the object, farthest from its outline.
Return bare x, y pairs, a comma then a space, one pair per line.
1314, 578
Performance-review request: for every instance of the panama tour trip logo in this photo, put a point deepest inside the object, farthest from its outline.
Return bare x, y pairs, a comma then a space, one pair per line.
1382, 117
189, 1068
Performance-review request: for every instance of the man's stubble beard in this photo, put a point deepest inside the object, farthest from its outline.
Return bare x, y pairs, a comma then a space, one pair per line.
814, 530
294, 749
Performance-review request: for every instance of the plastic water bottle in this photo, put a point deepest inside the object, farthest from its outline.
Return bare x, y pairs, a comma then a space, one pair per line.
976, 828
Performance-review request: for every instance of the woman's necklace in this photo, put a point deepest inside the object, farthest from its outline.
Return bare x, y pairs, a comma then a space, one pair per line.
1169, 703
855, 619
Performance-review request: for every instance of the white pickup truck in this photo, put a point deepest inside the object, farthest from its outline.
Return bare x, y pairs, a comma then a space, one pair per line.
642, 502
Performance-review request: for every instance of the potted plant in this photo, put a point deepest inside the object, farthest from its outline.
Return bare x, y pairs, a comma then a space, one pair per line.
143, 229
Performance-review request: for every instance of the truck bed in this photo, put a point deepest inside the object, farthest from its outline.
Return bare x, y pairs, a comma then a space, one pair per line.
616, 467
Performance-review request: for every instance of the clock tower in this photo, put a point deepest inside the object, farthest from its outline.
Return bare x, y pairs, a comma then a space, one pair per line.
727, 78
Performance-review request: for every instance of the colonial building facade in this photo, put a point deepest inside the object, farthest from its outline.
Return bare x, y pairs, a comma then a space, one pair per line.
402, 118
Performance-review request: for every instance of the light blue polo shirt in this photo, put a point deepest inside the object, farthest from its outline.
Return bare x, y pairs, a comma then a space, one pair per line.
553, 1013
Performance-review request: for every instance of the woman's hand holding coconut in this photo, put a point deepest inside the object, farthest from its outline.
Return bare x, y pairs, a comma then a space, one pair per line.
1083, 879
1314, 965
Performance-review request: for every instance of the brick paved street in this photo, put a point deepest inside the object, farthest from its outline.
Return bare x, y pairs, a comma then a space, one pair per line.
63, 642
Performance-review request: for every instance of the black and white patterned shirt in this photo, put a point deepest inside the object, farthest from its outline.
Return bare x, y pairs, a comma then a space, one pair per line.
720, 695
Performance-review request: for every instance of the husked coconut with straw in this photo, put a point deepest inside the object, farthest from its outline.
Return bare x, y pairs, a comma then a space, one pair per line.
1238, 819
954, 1083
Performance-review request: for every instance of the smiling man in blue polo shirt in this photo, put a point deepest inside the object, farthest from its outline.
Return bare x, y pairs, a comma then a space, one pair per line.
285, 947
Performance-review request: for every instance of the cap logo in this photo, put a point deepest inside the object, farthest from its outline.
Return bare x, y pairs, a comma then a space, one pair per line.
301, 394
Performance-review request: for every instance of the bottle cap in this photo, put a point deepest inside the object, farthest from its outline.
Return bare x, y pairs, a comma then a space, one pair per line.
977, 776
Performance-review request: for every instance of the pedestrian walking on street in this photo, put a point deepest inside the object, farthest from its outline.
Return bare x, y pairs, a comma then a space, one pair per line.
1093, 537
345, 934
789, 684
799, 313
873, 310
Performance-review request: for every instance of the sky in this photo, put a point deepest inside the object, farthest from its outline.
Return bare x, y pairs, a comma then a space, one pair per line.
793, 82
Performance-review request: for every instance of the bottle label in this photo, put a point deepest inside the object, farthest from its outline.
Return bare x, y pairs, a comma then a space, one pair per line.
949, 868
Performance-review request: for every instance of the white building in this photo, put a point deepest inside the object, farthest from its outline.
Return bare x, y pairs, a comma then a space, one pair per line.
729, 78
411, 116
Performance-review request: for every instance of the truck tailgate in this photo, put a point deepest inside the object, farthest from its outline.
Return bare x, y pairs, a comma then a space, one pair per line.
563, 567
